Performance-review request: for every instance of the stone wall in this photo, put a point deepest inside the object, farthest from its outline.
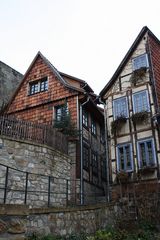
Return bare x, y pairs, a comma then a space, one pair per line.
9, 80
37, 175
18, 221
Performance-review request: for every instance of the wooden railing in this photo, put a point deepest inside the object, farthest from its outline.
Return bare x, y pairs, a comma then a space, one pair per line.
38, 133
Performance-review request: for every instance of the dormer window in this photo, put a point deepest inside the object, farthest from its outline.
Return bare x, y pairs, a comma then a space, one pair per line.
140, 62
38, 86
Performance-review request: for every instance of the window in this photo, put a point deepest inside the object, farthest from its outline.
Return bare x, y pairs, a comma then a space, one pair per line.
103, 168
146, 153
85, 118
102, 135
93, 127
94, 163
85, 157
61, 112
124, 157
140, 61
38, 86
44, 85
140, 102
34, 88
120, 107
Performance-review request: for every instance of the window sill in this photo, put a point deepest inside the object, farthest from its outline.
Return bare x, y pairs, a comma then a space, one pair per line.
123, 176
37, 93
149, 169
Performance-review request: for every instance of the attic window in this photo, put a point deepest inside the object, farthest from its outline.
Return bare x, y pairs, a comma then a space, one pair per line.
140, 62
38, 86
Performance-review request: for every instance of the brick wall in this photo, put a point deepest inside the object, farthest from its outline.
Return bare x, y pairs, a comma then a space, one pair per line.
155, 59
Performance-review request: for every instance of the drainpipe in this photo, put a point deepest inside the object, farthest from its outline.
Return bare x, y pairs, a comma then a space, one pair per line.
106, 148
81, 144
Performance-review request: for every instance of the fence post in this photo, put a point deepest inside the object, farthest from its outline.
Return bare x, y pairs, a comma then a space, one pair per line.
26, 188
66, 192
6, 183
49, 189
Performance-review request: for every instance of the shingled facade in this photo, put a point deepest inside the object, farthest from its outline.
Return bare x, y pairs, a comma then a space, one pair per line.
44, 96
132, 106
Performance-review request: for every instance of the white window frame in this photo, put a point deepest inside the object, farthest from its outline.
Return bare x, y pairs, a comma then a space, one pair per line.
118, 160
153, 149
147, 63
114, 102
134, 94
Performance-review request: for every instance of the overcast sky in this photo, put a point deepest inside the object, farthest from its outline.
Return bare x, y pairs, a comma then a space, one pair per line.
83, 38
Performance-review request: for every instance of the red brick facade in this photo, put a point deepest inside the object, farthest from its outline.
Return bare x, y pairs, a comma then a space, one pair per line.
154, 48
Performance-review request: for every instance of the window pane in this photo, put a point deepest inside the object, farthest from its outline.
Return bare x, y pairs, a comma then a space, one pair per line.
121, 158
150, 153
124, 157
85, 118
61, 112
128, 158
143, 155
140, 102
93, 127
85, 157
94, 163
120, 107
140, 61
44, 85
34, 88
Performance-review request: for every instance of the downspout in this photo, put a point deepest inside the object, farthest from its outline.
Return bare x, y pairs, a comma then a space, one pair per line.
106, 148
81, 145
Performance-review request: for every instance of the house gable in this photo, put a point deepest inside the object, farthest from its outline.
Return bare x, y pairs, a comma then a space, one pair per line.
57, 87
125, 60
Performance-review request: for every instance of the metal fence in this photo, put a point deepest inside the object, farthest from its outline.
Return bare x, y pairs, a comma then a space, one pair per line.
20, 187
38, 133
36, 190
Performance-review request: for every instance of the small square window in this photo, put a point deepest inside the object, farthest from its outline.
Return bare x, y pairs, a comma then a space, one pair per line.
120, 107
140, 62
140, 102
146, 153
124, 158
